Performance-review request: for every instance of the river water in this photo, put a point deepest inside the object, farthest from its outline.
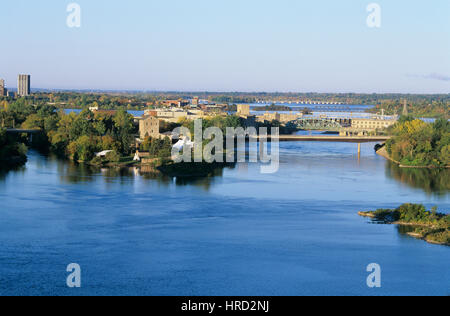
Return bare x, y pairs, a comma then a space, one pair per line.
241, 232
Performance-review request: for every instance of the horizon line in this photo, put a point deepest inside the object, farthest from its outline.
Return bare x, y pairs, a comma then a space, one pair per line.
219, 91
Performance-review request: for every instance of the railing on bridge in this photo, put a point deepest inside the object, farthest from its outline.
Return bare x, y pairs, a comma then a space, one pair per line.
318, 124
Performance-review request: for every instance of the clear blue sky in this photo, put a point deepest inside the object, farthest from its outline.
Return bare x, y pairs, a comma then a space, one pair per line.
229, 45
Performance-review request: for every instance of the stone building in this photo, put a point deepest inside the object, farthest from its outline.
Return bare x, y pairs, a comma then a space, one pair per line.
286, 118
243, 109
149, 126
372, 124
269, 117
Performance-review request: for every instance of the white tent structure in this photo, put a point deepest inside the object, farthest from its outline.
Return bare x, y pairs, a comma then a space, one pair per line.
103, 153
184, 144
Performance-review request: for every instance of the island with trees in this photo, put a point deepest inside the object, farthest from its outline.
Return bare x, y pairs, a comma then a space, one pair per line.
430, 226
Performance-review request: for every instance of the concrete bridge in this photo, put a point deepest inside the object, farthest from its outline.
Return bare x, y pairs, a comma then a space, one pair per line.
335, 139
22, 131
306, 102
29, 132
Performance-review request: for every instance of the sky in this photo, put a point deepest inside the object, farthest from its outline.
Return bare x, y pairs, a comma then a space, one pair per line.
228, 45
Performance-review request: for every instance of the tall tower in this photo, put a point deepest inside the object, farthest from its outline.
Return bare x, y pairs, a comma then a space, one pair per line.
405, 108
2, 88
23, 85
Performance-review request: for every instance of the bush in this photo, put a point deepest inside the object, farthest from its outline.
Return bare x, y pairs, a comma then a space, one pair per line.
97, 161
113, 156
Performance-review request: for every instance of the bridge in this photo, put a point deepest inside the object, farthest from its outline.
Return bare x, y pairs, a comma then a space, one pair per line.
335, 139
320, 124
28, 132
22, 131
306, 102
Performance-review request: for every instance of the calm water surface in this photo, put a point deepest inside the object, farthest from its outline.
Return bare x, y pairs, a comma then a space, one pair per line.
239, 233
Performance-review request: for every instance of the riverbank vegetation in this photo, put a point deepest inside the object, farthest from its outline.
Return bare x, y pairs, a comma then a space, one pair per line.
431, 107
430, 226
419, 144
76, 136
12, 151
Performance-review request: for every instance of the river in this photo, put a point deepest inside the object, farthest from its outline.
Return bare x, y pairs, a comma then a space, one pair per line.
295, 232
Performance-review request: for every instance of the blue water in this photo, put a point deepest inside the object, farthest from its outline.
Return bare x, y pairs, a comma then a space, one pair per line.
318, 107
295, 232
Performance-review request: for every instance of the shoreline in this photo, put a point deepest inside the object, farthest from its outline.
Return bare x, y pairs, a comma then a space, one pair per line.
383, 153
427, 229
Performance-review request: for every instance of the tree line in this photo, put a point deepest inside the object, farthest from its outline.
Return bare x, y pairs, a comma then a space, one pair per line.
76, 136
416, 143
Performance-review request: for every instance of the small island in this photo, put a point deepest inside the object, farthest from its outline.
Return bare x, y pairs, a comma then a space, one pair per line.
431, 226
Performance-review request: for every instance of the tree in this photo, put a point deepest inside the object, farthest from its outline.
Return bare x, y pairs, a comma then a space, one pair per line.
166, 148
123, 124
113, 156
33, 121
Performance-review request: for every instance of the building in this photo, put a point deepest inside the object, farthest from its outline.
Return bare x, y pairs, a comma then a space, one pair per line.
173, 115
149, 127
243, 109
372, 124
3, 90
195, 101
177, 103
269, 117
286, 118
24, 85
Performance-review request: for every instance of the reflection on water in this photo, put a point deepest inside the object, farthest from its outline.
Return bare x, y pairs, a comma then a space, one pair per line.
432, 181
71, 172
237, 232
406, 229
4, 173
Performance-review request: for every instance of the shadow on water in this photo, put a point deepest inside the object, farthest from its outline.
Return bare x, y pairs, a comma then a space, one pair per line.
5, 171
432, 181
74, 173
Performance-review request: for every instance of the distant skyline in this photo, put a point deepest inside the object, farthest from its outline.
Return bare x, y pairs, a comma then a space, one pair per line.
223, 46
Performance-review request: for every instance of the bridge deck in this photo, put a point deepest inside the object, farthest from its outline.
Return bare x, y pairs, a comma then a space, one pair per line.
21, 131
338, 139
